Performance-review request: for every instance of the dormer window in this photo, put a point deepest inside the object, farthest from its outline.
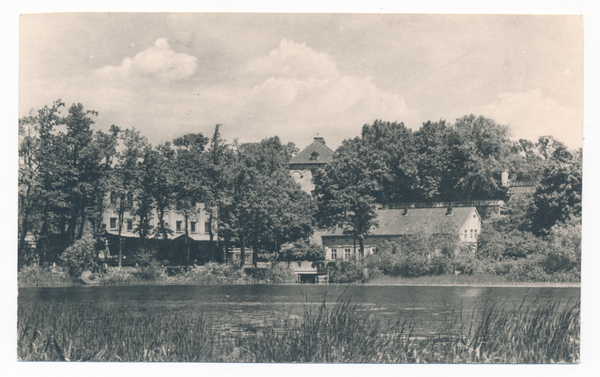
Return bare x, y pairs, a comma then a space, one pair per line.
314, 156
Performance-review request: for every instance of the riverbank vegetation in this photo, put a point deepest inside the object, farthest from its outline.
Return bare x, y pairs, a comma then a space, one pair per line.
70, 175
547, 332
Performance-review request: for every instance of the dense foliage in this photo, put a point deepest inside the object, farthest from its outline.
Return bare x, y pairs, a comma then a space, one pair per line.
67, 170
69, 174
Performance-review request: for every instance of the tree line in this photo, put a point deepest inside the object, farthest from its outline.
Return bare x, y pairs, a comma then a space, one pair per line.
69, 173
441, 161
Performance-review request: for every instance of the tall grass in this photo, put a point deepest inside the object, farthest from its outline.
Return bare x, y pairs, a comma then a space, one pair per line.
340, 333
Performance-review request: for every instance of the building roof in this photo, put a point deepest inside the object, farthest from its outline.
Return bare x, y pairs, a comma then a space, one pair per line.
324, 154
394, 222
464, 203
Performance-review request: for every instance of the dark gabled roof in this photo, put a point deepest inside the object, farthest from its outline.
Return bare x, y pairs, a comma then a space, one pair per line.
392, 222
318, 146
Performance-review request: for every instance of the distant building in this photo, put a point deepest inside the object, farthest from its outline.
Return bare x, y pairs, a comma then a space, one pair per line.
313, 157
394, 224
485, 208
199, 227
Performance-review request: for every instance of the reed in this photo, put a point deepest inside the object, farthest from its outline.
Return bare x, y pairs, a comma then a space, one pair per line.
547, 332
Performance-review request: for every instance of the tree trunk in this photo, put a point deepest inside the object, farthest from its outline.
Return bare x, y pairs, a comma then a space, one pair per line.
120, 242
361, 242
243, 251
211, 237
82, 225
187, 242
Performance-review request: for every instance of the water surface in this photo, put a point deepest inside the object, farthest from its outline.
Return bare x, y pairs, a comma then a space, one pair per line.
236, 308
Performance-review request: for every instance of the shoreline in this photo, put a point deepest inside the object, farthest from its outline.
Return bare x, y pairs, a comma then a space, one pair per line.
490, 285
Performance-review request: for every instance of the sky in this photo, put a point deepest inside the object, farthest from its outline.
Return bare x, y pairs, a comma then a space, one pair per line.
302, 75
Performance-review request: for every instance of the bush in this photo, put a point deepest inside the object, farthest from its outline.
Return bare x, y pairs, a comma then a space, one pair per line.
346, 272
276, 274
81, 256
149, 268
301, 250
36, 276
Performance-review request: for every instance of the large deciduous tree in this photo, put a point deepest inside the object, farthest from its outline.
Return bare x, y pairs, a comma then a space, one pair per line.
346, 190
36, 179
125, 178
558, 195
266, 206
190, 184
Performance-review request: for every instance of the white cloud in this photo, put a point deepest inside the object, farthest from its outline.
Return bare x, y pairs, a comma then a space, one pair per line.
294, 60
531, 114
159, 62
293, 92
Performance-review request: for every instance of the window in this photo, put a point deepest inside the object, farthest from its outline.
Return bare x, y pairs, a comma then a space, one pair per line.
246, 256
471, 233
193, 227
129, 225
465, 234
333, 254
374, 250
113, 223
314, 156
178, 226
347, 253
476, 233
207, 227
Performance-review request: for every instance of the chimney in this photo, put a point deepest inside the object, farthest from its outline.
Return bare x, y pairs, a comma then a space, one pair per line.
405, 212
320, 139
505, 179
449, 213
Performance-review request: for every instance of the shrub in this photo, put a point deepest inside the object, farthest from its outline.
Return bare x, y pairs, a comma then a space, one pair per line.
346, 272
275, 274
301, 250
414, 265
81, 256
150, 268
36, 276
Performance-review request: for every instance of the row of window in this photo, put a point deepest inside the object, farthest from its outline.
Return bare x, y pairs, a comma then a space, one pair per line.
178, 225
348, 253
473, 233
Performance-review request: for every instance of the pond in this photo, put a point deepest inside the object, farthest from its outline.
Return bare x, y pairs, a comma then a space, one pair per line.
243, 308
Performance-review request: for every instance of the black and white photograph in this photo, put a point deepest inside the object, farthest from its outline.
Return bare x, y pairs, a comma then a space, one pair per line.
316, 188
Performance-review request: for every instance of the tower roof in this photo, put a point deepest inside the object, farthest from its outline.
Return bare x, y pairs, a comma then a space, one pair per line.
316, 153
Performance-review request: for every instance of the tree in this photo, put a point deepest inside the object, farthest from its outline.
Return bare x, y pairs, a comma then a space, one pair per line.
145, 204
161, 161
125, 178
80, 169
345, 190
301, 251
433, 160
558, 195
478, 149
189, 182
218, 165
36, 179
266, 206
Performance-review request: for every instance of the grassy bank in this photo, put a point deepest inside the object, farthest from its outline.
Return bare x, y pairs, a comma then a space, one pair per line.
546, 333
475, 280
211, 273
223, 274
